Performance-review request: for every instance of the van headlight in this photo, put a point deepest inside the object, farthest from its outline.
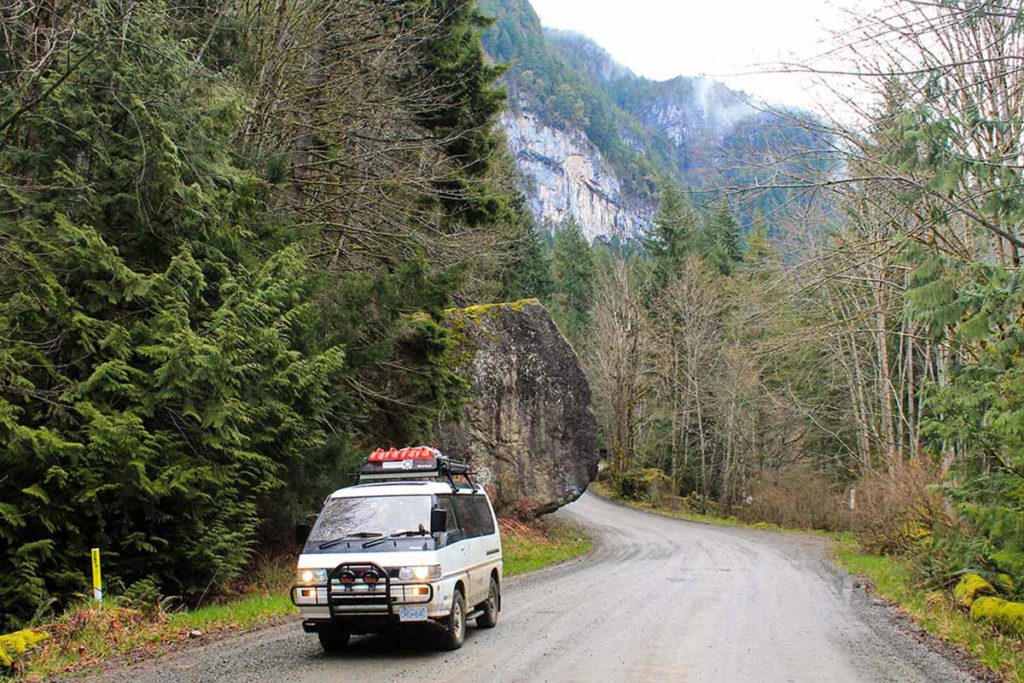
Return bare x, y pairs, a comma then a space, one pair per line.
427, 572
310, 577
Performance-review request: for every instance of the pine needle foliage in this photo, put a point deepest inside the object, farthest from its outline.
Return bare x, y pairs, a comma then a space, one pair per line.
156, 374
672, 237
178, 378
979, 413
573, 272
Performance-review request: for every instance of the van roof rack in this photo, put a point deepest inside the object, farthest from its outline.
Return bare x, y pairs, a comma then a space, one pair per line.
419, 462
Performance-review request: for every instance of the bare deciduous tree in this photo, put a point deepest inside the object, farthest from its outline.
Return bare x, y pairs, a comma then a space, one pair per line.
621, 364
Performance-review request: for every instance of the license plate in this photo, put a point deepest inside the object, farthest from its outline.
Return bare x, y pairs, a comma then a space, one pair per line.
412, 613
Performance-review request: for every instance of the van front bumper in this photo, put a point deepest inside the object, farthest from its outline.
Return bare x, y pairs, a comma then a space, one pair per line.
347, 598
361, 600
369, 618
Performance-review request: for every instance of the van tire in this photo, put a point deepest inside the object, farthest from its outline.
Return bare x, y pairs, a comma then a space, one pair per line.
489, 617
333, 639
455, 623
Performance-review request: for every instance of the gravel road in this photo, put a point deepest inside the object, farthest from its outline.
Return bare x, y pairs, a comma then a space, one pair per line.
658, 600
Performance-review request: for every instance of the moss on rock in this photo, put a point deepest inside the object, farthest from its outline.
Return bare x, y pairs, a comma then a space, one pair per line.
479, 311
1006, 584
13, 645
1006, 616
970, 587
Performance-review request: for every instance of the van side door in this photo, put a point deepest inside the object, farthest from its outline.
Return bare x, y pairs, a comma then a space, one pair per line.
453, 554
490, 540
469, 521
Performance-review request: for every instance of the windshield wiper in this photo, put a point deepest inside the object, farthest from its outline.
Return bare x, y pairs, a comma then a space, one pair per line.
422, 531
342, 539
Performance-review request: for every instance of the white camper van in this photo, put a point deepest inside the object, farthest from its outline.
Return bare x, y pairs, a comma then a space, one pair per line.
415, 543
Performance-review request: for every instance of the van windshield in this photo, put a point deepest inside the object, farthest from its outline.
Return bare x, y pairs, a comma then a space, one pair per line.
369, 516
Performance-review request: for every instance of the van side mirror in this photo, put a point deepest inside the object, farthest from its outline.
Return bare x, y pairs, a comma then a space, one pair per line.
438, 520
303, 529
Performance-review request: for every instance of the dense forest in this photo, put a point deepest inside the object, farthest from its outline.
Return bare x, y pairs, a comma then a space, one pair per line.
214, 218
862, 370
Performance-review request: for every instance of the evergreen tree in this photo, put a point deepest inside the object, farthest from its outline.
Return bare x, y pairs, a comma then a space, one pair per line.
572, 267
530, 273
467, 104
671, 238
975, 308
724, 249
170, 356
759, 252
158, 370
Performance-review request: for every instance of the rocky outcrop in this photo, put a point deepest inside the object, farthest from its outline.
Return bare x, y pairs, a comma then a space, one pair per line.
693, 111
566, 175
594, 141
527, 428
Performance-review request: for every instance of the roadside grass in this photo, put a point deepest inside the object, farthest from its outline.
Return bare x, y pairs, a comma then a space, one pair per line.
88, 634
891, 578
531, 546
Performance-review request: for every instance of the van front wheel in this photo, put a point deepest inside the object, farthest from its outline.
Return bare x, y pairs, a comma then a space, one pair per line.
455, 624
489, 617
333, 639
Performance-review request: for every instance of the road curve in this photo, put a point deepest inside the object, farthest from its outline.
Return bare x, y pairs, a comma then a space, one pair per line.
658, 600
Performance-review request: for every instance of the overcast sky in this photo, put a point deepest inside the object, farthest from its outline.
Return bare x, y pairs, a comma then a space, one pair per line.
665, 38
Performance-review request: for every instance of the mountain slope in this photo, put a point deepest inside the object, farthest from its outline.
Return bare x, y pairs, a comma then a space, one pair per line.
594, 141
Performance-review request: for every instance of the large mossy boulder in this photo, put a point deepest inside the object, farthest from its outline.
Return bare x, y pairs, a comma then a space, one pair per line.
970, 588
527, 427
1006, 616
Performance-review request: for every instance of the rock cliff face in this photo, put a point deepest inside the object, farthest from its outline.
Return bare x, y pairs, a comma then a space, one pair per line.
566, 175
527, 429
594, 141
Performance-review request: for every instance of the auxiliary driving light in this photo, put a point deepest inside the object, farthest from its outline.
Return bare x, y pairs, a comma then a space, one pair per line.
347, 578
371, 578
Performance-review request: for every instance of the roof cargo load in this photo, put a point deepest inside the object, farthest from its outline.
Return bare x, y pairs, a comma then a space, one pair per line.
419, 462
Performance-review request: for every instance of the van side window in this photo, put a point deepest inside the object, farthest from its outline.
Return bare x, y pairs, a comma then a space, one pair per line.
483, 515
466, 512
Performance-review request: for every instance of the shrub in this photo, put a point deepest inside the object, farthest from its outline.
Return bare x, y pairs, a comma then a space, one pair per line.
144, 595
649, 485
795, 496
13, 645
897, 510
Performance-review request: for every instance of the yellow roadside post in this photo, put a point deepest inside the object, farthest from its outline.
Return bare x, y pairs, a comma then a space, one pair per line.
97, 579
